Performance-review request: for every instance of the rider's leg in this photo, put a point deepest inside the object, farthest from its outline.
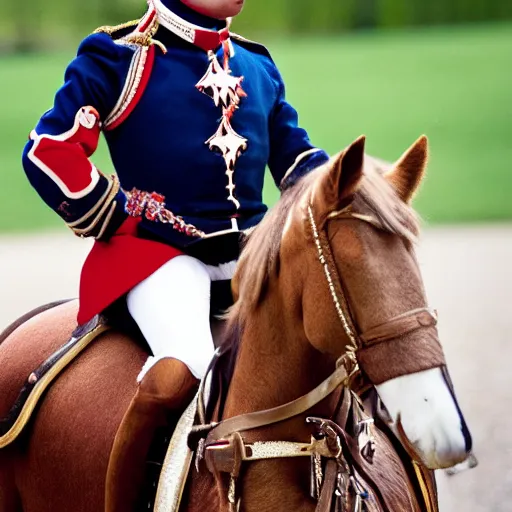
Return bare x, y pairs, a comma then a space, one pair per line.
172, 309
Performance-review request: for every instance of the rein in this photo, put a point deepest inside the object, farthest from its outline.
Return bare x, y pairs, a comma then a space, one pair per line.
223, 448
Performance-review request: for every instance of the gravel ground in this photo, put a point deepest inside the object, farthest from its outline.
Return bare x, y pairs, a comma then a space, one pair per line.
468, 281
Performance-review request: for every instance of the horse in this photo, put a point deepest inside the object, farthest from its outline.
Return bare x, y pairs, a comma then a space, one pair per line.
329, 275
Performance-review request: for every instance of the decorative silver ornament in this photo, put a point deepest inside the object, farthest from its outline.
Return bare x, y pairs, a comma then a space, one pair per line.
220, 85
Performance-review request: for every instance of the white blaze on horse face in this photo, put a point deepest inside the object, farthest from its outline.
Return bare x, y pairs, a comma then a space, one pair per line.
428, 415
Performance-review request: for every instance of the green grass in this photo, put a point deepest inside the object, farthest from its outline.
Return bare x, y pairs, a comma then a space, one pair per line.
452, 84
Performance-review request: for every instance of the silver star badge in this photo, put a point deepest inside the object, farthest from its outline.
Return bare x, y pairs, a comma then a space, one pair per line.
230, 145
220, 85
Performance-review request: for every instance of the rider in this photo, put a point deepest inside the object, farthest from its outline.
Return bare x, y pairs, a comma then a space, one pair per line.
192, 115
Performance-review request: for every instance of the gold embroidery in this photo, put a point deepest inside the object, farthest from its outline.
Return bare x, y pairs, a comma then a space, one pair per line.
112, 29
107, 220
84, 232
94, 209
131, 86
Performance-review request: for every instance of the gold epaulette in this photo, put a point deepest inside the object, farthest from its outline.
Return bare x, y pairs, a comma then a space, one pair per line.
112, 29
144, 39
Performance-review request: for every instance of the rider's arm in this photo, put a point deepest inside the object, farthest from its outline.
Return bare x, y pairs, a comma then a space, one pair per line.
56, 158
292, 155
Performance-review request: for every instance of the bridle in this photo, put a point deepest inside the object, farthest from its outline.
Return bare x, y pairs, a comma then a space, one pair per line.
222, 446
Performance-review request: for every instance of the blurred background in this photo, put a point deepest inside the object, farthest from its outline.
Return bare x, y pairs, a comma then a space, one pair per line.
390, 69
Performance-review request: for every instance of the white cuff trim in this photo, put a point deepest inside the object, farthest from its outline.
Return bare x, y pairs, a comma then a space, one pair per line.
298, 160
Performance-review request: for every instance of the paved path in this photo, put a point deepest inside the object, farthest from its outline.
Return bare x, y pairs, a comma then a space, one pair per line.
467, 275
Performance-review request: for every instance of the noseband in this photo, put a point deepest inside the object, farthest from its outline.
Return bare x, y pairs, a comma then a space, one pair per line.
397, 326
223, 448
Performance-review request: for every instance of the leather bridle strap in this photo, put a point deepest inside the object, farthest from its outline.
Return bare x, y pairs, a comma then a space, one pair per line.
284, 412
338, 296
399, 326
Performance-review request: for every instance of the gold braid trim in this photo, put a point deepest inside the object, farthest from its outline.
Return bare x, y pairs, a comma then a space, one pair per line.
145, 38
105, 203
107, 220
137, 38
112, 29
96, 207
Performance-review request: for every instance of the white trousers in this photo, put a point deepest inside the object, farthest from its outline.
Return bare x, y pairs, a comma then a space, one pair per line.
172, 309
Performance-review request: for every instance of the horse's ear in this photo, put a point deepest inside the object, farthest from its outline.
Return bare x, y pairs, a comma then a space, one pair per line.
344, 174
407, 174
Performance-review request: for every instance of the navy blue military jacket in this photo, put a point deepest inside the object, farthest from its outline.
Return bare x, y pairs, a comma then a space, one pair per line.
161, 145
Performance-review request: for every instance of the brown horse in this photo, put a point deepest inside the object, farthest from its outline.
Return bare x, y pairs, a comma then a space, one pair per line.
291, 335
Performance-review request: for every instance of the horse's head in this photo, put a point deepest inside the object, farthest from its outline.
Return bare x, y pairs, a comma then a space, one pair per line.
346, 262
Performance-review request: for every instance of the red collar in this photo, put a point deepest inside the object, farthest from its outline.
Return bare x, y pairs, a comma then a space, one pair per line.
199, 36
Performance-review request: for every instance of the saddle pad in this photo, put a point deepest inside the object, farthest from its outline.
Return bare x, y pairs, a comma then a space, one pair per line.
176, 466
30, 345
42, 375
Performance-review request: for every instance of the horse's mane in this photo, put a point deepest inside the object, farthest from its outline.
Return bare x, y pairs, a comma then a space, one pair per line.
260, 255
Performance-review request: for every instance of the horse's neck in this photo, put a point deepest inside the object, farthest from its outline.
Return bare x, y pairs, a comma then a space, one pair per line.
275, 365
